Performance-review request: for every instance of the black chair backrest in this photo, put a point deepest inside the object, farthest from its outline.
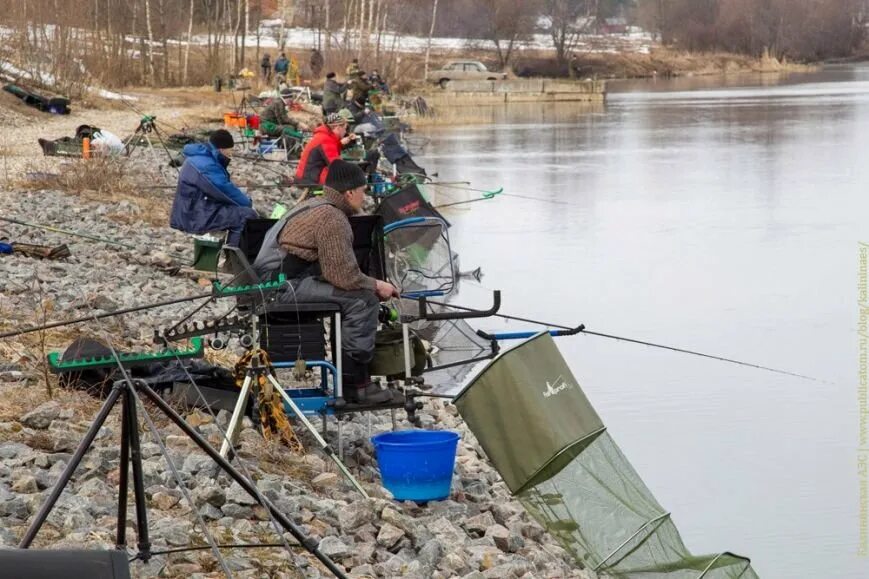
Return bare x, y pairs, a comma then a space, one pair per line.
44, 564
367, 242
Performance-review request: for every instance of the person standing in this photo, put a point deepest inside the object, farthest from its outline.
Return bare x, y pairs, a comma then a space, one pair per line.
333, 94
282, 65
266, 67
316, 63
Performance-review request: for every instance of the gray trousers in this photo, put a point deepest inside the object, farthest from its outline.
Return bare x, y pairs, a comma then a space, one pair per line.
359, 309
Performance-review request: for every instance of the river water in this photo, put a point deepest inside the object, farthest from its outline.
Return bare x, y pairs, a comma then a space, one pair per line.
720, 216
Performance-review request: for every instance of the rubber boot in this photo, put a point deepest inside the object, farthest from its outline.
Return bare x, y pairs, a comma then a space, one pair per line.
358, 388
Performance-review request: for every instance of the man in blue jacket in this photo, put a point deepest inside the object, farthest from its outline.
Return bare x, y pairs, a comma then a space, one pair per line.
206, 200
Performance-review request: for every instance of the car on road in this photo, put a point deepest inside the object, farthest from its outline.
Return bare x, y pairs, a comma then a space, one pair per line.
463, 70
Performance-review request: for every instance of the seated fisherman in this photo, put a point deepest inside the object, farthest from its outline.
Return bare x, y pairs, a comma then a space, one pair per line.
370, 126
206, 199
275, 122
325, 146
313, 246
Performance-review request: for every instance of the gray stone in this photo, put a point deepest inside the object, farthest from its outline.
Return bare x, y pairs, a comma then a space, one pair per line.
335, 548
25, 484
7, 539
505, 540
14, 450
324, 480
210, 512
42, 416
78, 518
389, 536
166, 500
195, 463
355, 515
482, 557
175, 532
431, 554
211, 495
363, 571
236, 511
476, 526
447, 532
454, 564
236, 494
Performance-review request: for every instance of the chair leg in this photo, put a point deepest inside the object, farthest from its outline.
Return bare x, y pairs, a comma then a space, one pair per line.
237, 416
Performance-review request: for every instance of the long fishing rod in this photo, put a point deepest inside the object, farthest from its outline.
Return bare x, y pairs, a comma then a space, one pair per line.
445, 205
78, 234
640, 342
485, 192
113, 313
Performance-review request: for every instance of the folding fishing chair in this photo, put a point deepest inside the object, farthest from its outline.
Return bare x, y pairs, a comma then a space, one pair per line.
310, 331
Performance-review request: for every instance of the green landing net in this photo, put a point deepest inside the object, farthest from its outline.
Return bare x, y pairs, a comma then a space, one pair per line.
571, 476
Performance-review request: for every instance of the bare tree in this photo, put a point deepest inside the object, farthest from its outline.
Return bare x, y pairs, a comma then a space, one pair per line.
434, 19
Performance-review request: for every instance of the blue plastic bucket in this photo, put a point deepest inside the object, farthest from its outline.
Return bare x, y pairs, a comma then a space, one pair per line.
417, 465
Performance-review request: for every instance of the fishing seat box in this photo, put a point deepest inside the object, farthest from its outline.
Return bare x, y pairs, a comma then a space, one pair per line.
293, 330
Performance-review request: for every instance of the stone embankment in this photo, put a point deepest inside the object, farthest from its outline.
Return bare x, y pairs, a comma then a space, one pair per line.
479, 533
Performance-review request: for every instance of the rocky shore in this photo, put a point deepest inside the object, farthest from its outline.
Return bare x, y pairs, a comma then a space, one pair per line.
479, 533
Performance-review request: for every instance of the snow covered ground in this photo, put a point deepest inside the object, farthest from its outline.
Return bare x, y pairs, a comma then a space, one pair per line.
633, 42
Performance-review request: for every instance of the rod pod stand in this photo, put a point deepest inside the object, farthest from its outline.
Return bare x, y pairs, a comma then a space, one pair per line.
131, 453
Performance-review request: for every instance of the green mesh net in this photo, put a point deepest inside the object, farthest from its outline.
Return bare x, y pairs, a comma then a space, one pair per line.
571, 476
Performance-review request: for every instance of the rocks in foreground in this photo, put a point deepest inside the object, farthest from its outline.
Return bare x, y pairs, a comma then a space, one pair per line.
473, 534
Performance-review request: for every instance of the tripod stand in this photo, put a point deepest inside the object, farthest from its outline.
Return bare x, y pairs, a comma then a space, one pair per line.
147, 127
126, 390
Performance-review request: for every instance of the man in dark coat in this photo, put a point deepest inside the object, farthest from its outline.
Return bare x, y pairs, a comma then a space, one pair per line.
206, 199
333, 94
266, 66
317, 62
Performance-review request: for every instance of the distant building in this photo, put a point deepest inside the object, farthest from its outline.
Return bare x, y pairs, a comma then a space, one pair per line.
614, 26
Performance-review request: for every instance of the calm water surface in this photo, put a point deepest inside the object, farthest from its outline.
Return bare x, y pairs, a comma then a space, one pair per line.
718, 216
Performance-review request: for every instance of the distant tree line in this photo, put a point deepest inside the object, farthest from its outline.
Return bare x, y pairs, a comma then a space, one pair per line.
798, 29
178, 42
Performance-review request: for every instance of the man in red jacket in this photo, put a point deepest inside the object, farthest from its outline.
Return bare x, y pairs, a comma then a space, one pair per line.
325, 146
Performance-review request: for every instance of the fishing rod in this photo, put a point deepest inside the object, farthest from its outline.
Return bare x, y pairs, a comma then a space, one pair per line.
445, 205
486, 193
77, 234
81, 235
583, 330
113, 313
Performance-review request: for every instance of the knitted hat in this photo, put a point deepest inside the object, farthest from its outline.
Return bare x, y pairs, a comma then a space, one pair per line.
335, 119
344, 176
222, 139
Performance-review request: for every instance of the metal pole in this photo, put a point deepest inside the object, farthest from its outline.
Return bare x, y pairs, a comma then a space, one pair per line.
142, 540
123, 482
237, 415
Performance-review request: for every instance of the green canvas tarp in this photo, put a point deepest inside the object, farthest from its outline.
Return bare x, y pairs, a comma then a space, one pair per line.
544, 437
